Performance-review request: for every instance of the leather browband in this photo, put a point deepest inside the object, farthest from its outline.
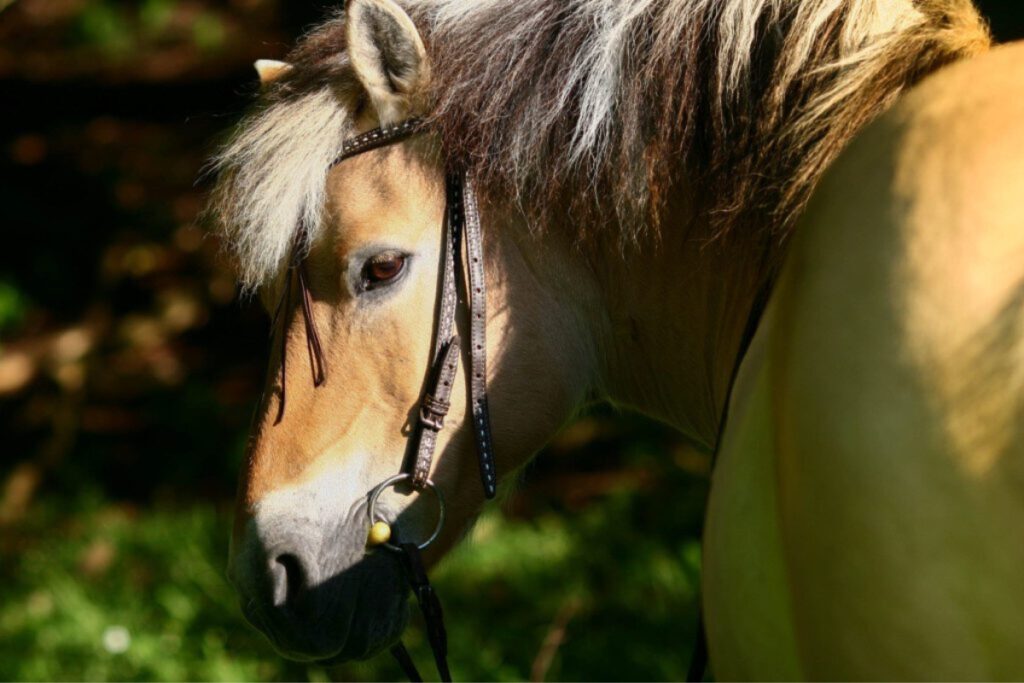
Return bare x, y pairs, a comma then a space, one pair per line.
376, 138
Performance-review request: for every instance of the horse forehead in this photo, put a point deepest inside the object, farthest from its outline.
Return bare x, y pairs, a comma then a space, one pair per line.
384, 191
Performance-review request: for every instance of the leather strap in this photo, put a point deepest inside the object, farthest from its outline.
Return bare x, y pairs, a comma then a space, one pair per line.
297, 270
430, 605
433, 408
462, 218
478, 337
281, 315
313, 345
376, 138
404, 660
463, 221
437, 394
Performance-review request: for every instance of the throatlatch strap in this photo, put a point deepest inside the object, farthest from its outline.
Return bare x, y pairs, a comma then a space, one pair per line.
478, 335
281, 316
313, 345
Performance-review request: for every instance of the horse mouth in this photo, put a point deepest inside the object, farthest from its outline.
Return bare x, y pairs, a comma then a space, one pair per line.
357, 635
343, 631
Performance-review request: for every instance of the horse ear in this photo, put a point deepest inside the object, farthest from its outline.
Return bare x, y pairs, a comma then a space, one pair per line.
388, 56
270, 70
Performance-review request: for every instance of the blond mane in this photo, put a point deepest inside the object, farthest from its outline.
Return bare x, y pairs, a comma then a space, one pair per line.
590, 113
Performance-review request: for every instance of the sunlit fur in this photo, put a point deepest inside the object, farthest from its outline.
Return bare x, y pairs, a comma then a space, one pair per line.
596, 109
868, 499
273, 178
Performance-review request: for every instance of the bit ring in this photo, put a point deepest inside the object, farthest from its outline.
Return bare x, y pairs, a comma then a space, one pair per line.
394, 481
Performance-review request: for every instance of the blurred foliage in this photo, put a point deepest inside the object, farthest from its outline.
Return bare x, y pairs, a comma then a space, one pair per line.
118, 40
119, 28
106, 593
129, 372
13, 305
101, 591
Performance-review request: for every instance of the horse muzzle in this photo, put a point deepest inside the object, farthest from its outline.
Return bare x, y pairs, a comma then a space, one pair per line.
315, 591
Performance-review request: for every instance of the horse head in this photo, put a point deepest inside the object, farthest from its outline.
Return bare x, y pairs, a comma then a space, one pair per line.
356, 305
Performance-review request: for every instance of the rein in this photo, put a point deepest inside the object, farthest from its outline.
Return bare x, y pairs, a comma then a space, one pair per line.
461, 225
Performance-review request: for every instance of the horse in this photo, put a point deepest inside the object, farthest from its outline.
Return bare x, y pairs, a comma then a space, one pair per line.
789, 229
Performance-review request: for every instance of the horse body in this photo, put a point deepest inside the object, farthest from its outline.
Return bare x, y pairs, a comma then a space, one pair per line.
621, 266
867, 506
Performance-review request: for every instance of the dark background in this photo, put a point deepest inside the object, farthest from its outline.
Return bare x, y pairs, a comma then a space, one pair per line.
129, 371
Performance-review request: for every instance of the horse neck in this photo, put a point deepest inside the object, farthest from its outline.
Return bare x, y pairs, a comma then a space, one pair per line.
656, 326
677, 311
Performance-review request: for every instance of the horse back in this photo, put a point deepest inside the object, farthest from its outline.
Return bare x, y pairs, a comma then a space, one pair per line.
882, 407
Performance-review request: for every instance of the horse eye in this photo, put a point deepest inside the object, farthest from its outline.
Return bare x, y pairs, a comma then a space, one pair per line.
383, 269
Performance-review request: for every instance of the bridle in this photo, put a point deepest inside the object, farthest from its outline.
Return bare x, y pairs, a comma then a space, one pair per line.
461, 225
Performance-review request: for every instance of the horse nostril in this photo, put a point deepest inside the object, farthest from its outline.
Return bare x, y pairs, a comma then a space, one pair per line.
289, 579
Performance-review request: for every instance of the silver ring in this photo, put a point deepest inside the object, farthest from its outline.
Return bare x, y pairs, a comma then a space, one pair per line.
398, 479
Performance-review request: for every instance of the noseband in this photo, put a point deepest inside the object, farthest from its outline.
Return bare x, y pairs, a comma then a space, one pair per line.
461, 224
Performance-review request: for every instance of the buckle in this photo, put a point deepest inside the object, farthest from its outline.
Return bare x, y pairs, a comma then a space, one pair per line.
431, 419
432, 412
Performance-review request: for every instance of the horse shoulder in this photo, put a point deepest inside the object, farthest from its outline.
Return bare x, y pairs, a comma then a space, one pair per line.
746, 590
895, 366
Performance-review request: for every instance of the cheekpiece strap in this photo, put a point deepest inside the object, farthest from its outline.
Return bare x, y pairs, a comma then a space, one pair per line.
462, 224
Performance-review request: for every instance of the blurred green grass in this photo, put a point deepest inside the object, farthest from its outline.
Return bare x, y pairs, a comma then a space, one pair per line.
103, 592
95, 591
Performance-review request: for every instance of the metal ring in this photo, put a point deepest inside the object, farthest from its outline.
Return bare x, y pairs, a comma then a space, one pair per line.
397, 479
